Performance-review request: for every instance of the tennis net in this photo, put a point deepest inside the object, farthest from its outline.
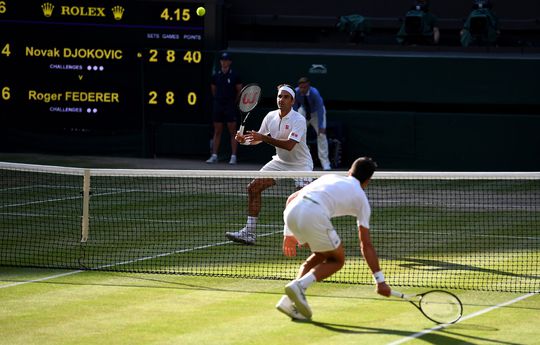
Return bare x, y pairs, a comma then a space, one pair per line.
478, 231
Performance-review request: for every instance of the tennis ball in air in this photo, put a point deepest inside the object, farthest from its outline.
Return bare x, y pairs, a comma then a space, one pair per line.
201, 11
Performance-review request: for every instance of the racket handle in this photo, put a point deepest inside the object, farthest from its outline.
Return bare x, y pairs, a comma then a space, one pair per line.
397, 294
241, 132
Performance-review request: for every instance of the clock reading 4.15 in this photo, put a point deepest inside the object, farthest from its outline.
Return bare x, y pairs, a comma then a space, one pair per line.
177, 15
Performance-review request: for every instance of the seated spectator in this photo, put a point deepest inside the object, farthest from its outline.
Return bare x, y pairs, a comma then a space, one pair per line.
355, 25
482, 25
419, 26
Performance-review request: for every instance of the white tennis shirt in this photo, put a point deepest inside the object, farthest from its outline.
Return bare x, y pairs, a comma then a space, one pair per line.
291, 126
339, 196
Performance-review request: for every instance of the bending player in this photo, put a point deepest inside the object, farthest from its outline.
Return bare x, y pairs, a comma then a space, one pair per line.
285, 129
308, 216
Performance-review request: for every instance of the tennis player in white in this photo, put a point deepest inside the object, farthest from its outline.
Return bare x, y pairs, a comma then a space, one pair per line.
308, 216
285, 129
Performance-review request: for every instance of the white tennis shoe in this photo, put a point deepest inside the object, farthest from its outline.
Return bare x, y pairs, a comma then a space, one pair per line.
212, 160
233, 160
295, 291
287, 307
242, 236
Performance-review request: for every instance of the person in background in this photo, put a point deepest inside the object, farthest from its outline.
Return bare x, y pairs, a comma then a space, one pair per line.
308, 223
285, 129
309, 102
420, 26
482, 25
225, 87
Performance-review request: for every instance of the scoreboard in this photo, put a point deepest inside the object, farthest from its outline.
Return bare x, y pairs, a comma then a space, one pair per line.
102, 67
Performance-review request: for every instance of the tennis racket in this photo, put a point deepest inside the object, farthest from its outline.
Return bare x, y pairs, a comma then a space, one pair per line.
439, 306
249, 98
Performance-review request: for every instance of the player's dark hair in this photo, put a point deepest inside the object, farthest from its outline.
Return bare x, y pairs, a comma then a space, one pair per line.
363, 168
303, 80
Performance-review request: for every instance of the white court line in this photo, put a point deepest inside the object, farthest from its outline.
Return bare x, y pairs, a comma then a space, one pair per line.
40, 279
470, 316
131, 261
61, 199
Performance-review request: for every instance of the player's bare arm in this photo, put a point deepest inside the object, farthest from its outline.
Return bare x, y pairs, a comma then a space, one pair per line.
256, 137
370, 255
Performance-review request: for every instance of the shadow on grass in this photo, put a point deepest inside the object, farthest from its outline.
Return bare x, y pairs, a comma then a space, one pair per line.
443, 337
437, 265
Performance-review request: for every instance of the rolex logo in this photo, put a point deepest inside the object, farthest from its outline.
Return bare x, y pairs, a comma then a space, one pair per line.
118, 12
47, 9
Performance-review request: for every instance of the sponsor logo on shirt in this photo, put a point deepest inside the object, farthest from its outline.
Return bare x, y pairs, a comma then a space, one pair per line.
286, 126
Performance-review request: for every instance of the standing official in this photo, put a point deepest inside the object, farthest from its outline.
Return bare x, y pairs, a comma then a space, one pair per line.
309, 102
226, 86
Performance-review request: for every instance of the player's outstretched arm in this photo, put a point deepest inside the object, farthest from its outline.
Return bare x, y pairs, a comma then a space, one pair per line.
286, 144
370, 255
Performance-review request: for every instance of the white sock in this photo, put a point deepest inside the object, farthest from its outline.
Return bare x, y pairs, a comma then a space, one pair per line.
214, 155
307, 280
251, 224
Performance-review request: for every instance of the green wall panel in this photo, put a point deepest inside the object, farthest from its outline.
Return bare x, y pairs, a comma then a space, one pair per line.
412, 77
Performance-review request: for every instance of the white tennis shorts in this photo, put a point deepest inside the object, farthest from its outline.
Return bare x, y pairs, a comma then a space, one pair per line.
309, 224
275, 165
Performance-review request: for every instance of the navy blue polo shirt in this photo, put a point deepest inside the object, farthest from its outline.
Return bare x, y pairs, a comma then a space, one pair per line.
225, 87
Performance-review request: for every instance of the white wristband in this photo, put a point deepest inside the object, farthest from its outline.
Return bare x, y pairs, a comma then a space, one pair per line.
378, 277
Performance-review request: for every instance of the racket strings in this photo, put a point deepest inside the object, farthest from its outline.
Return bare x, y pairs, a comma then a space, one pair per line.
441, 307
249, 98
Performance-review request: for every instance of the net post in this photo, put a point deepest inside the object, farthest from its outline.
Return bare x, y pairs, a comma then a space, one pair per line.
86, 206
